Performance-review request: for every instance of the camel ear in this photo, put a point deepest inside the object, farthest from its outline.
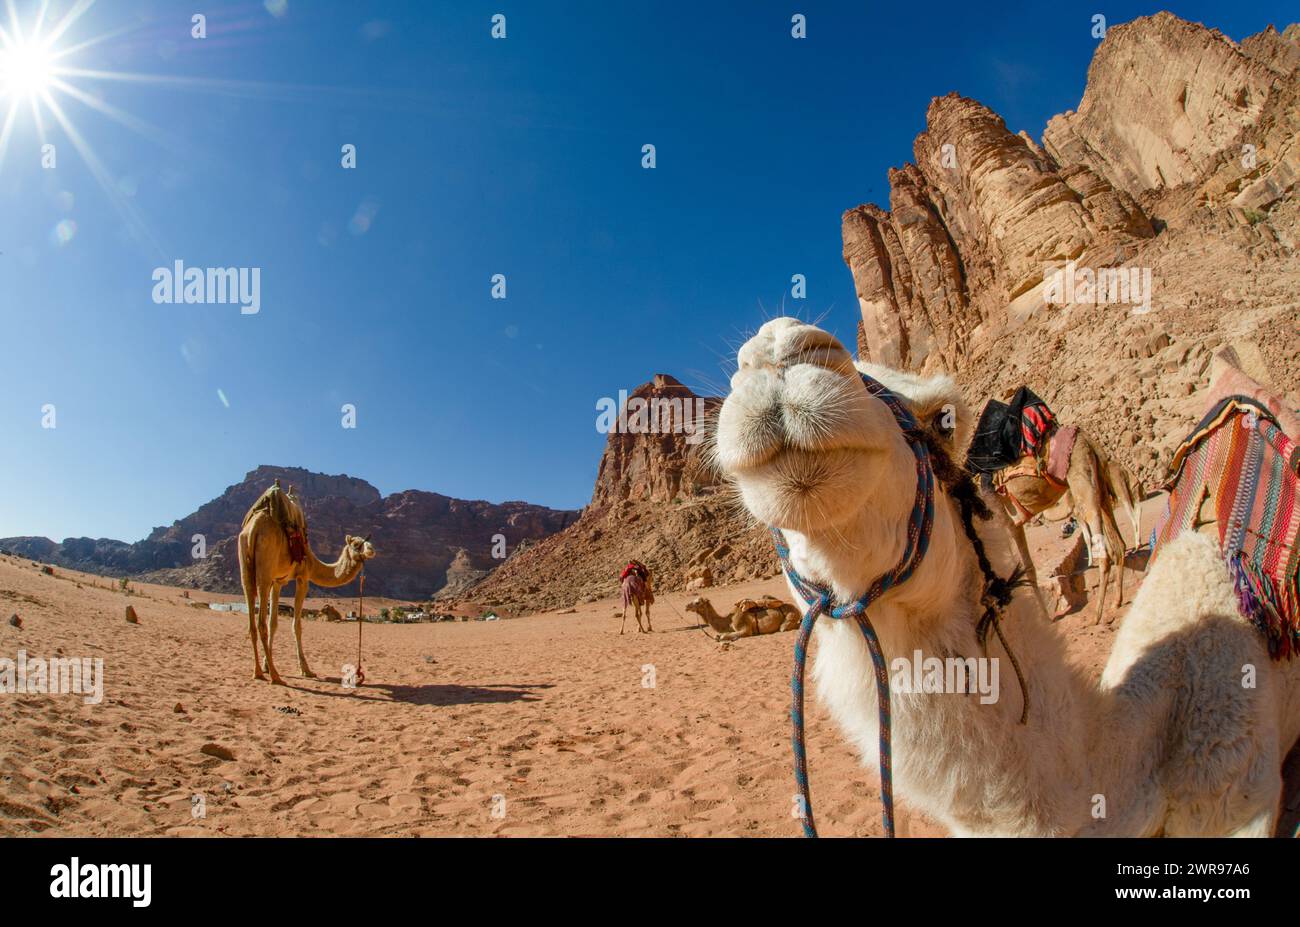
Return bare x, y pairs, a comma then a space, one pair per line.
347, 539
936, 402
940, 409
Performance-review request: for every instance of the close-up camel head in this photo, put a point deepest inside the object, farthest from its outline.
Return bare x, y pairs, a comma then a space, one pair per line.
808, 447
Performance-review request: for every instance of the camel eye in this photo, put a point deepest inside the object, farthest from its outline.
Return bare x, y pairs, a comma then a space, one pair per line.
944, 422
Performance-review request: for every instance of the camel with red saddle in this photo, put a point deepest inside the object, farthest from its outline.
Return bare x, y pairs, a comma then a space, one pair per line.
273, 551
1091, 488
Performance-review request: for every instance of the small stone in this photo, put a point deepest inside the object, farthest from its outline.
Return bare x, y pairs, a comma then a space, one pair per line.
131, 616
220, 752
179, 709
15, 621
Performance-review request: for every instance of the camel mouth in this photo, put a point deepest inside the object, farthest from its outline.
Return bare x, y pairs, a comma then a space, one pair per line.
798, 489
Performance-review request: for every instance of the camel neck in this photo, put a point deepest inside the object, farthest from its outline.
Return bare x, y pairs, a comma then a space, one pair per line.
951, 747
339, 573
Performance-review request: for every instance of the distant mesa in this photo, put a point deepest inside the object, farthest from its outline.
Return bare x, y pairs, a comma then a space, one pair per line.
426, 540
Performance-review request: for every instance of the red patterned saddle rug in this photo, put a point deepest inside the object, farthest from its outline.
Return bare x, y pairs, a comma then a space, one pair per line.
297, 545
1239, 461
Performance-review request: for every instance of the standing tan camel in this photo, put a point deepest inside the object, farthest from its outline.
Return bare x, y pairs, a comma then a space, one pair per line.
273, 551
638, 593
1094, 487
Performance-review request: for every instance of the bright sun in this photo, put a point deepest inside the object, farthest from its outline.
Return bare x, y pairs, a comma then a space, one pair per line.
26, 70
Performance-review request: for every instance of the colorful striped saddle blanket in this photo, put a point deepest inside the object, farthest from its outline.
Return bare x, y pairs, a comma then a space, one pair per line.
1240, 470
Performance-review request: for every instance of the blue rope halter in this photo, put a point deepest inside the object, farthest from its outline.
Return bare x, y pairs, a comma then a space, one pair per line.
919, 527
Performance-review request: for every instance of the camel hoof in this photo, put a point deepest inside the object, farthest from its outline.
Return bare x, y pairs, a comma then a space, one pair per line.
306, 672
277, 681
259, 675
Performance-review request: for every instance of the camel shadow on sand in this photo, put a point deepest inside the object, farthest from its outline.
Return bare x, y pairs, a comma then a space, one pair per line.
433, 693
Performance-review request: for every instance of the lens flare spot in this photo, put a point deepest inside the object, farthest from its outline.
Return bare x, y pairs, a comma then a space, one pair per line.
64, 232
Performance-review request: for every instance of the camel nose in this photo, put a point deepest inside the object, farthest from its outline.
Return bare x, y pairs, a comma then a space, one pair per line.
785, 342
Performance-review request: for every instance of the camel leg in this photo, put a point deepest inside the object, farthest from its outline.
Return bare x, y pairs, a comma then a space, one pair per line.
1084, 480
736, 633
299, 594
1102, 586
623, 626
636, 608
1120, 553
250, 597
263, 596
274, 620
247, 579
649, 627
1119, 578
1095, 538
1022, 547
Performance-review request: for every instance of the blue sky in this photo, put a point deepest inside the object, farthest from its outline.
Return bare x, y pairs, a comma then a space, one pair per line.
475, 157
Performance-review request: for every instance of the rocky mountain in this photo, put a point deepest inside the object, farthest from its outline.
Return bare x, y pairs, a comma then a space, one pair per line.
425, 541
656, 499
1105, 263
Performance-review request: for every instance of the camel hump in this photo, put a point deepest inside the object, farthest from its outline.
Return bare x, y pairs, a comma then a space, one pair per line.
766, 602
284, 511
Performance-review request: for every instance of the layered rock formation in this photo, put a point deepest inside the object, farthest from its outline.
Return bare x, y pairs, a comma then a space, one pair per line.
656, 499
1179, 167
653, 449
425, 541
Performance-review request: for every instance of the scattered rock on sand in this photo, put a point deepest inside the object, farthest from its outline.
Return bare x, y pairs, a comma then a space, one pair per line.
15, 621
179, 709
220, 752
131, 616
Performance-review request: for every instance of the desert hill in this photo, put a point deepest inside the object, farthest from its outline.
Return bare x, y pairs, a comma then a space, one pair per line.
427, 541
657, 499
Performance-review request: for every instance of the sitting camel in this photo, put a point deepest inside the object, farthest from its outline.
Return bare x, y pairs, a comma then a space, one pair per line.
748, 618
1094, 487
1170, 742
273, 551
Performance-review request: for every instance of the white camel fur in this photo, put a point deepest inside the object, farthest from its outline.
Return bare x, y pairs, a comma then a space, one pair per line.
1173, 741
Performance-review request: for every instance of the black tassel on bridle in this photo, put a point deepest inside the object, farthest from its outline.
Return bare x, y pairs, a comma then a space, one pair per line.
998, 590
